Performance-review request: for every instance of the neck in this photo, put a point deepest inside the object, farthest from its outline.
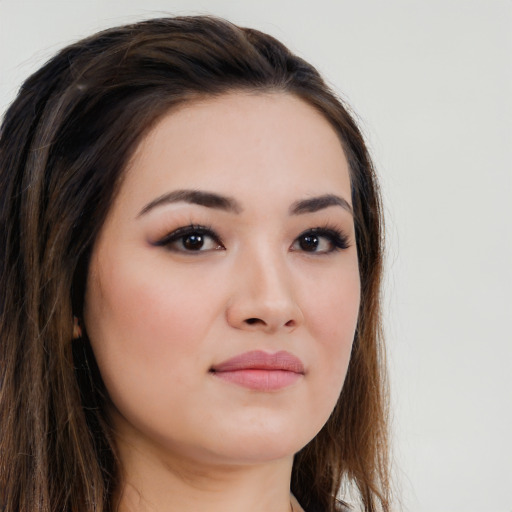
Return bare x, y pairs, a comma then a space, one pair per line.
157, 484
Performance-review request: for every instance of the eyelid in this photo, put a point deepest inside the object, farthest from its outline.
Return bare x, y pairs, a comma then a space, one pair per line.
336, 237
190, 229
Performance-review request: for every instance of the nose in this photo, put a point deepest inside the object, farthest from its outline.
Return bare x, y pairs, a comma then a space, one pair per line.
263, 297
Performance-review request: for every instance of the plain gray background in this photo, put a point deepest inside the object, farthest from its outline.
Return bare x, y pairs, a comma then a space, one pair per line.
431, 82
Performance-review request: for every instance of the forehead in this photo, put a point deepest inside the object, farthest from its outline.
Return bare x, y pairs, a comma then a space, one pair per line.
241, 142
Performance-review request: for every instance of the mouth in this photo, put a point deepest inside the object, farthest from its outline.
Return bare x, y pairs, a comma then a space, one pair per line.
260, 371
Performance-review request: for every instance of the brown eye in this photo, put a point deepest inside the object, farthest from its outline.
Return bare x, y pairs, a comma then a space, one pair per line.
191, 239
309, 243
193, 242
320, 241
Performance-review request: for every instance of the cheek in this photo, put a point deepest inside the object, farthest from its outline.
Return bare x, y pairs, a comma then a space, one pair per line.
140, 321
147, 302
332, 318
330, 307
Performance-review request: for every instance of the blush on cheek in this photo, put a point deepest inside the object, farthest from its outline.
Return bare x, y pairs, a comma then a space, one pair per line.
157, 312
335, 309
334, 320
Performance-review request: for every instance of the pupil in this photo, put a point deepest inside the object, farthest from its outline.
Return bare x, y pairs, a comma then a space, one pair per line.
309, 243
193, 242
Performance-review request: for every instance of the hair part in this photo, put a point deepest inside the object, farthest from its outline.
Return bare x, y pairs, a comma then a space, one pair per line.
64, 144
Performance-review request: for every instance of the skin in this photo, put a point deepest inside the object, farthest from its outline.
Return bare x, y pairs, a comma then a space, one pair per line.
159, 317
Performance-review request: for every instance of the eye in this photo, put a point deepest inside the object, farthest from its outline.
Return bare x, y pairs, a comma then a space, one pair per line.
320, 241
191, 239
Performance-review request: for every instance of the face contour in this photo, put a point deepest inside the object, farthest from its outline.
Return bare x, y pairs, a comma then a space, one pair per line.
223, 290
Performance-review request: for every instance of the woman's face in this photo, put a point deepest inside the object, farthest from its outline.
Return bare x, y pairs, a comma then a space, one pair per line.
223, 290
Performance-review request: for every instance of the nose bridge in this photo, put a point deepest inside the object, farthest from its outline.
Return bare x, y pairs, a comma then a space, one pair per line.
264, 296
269, 275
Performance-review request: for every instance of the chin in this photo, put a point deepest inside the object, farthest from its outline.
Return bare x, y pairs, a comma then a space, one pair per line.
254, 452
268, 442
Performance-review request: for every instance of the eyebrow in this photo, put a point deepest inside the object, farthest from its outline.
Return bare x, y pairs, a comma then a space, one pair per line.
208, 199
315, 204
229, 204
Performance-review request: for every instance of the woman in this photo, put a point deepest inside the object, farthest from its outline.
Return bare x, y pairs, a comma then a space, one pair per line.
190, 281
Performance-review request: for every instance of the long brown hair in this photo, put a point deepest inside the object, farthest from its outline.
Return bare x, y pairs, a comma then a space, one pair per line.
64, 144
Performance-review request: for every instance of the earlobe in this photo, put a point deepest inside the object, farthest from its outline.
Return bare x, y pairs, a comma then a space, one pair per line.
77, 328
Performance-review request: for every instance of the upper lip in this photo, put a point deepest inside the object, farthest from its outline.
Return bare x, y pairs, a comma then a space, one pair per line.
260, 360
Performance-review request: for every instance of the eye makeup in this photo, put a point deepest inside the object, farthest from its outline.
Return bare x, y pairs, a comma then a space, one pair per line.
196, 238
191, 238
321, 240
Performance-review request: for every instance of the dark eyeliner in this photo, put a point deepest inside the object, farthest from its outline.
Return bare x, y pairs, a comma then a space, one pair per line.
336, 237
191, 229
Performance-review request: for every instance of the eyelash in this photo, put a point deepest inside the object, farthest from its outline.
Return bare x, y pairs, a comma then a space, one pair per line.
337, 239
188, 231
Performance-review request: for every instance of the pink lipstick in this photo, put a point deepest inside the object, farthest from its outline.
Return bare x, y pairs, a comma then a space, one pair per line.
260, 370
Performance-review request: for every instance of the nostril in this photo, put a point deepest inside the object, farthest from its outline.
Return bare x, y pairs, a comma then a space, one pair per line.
259, 321
252, 321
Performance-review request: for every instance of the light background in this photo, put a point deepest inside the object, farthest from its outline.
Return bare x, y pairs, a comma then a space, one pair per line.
432, 84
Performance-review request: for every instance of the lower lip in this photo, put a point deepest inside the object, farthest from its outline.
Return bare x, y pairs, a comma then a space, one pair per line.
260, 380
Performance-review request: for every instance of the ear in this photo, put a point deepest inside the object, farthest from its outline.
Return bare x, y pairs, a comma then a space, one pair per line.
77, 328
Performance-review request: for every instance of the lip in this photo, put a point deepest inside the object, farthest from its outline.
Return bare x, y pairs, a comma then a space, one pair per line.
261, 371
